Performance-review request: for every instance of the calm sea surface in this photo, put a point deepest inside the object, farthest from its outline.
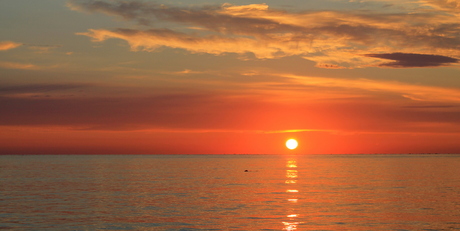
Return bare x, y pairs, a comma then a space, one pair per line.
230, 192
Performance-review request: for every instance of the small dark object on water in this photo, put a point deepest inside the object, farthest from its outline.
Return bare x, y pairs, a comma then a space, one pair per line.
246, 170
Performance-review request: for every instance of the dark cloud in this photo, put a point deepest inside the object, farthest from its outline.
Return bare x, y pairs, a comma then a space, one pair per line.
402, 60
120, 113
126, 9
209, 17
212, 111
39, 88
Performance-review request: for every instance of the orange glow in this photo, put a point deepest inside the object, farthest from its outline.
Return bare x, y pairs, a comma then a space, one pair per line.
67, 140
175, 82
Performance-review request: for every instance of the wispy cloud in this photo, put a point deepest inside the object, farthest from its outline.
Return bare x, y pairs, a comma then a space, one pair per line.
188, 71
410, 91
43, 48
34, 88
430, 106
452, 6
298, 104
332, 39
22, 66
150, 40
42, 91
8, 45
236, 131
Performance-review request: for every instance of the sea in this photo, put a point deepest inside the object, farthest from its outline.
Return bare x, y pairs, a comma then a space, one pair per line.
230, 192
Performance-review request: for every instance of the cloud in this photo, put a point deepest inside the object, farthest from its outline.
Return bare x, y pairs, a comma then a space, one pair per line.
332, 39
430, 106
42, 91
35, 88
125, 9
43, 48
8, 45
299, 104
452, 6
402, 60
366, 87
211, 112
183, 111
152, 39
188, 71
21, 66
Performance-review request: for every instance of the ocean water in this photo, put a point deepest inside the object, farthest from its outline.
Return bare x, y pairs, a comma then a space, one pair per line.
230, 192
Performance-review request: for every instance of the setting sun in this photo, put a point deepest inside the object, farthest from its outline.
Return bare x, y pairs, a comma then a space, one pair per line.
291, 144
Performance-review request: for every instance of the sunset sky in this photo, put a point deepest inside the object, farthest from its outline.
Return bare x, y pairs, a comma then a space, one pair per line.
224, 77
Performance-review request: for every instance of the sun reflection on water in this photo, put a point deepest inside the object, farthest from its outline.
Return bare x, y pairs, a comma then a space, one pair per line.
291, 175
291, 164
292, 190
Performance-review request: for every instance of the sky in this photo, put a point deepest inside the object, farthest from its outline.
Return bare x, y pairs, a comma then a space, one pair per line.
229, 77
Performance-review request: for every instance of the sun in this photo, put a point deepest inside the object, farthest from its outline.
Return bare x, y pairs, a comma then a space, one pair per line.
291, 144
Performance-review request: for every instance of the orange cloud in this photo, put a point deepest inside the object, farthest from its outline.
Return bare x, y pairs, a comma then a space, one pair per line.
8, 45
452, 6
43, 48
410, 91
332, 39
153, 39
22, 66
188, 71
